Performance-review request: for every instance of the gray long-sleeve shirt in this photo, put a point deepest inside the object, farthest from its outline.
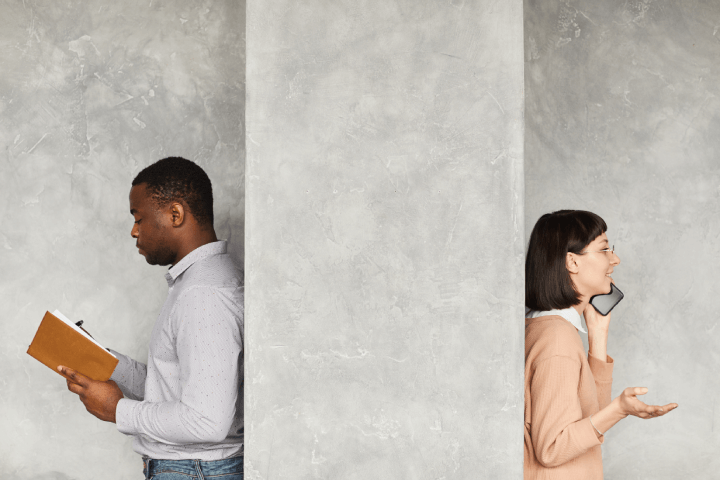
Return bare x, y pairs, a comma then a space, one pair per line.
188, 401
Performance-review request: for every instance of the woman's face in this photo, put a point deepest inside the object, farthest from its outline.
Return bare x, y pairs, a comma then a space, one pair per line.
594, 268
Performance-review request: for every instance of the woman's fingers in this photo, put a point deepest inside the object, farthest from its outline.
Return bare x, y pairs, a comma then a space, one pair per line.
632, 405
653, 411
632, 391
668, 408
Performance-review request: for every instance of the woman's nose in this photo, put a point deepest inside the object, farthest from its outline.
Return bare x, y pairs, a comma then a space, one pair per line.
615, 260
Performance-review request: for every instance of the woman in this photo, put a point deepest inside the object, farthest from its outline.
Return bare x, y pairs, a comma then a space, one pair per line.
567, 393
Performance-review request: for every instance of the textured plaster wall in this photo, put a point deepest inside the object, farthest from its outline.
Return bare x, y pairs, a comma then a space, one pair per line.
385, 239
90, 93
623, 119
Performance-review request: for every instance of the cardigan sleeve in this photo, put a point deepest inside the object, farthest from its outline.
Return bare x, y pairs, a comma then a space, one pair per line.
602, 373
558, 431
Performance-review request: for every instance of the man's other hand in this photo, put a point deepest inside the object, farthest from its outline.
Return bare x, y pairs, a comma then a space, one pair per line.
99, 398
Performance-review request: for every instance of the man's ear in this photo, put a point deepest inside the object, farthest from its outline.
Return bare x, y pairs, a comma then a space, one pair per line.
571, 263
178, 214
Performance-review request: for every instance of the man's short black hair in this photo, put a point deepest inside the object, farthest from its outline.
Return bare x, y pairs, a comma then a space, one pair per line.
548, 284
176, 179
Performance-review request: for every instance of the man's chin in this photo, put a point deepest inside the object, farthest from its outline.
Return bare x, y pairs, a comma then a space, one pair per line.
156, 258
155, 261
147, 258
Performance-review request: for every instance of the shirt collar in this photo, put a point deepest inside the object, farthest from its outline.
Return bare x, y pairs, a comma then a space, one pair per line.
204, 251
569, 314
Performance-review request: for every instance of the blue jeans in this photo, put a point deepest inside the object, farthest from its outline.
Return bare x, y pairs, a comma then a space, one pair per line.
227, 469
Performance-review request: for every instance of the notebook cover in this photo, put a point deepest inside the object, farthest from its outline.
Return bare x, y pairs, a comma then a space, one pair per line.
57, 343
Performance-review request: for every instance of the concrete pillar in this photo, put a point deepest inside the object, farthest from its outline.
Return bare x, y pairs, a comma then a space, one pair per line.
384, 253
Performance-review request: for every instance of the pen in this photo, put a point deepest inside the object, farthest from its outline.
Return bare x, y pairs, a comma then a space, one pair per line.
80, 323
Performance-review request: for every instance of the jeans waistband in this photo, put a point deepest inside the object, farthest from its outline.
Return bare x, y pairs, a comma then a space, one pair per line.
193, 467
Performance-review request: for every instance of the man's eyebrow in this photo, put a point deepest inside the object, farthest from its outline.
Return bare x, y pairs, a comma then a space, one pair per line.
133, 211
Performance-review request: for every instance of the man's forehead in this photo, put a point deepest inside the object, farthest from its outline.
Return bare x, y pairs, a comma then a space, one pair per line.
138, 195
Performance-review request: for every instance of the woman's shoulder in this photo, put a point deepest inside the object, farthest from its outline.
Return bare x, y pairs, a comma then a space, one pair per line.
551, 336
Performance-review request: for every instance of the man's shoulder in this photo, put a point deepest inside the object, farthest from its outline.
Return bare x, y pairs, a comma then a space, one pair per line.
214, 271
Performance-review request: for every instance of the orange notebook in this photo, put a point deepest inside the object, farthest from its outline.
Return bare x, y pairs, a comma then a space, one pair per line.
59, 341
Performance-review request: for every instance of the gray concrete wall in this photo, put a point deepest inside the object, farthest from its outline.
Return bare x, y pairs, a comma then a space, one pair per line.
385, 240
90, 93
622, 118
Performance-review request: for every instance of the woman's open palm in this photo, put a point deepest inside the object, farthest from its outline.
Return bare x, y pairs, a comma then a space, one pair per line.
631, 405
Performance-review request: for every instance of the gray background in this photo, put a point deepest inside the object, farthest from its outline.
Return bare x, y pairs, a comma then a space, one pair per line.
90, 93
622, 119
387, 199
384, 285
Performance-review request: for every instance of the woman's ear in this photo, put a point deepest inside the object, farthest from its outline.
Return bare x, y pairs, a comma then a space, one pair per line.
571, 263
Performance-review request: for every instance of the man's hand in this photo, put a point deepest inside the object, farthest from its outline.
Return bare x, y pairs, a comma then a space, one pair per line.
99, 398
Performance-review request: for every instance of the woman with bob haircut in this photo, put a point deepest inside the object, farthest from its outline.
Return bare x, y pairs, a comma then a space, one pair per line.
567, 393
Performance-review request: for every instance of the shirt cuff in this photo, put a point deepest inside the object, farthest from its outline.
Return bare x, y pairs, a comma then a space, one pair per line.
124, 416
121, 366
602, 371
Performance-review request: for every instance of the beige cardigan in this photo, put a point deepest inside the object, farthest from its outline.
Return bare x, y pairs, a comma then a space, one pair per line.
563, 387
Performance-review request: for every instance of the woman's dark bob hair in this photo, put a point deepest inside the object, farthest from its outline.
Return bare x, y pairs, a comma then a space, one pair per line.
547, 281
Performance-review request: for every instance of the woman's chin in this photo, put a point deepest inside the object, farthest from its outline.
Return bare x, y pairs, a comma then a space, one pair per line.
603, 289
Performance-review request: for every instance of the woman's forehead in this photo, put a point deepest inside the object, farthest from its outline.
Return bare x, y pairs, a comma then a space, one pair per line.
602, 238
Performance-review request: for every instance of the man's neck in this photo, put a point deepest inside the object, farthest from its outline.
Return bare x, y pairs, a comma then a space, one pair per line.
196, 241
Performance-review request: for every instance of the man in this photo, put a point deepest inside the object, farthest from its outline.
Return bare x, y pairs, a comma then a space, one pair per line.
185, 407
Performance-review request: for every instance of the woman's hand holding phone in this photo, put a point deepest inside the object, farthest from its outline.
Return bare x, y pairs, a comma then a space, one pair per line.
598, 328
595, 321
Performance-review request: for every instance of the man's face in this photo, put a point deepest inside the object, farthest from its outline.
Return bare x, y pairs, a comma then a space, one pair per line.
151, 229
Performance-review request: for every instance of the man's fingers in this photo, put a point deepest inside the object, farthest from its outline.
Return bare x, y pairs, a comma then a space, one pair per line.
74, 376
70, 382
75, 388
66, 372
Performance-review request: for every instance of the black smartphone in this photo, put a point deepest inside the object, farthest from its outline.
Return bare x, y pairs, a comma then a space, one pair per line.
606, 302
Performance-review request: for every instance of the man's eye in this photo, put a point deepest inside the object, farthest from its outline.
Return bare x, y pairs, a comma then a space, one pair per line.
137, 221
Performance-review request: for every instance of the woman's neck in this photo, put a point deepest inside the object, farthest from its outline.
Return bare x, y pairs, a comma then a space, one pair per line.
583, 304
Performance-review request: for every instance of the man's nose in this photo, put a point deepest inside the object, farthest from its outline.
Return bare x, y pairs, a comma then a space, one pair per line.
134, 231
